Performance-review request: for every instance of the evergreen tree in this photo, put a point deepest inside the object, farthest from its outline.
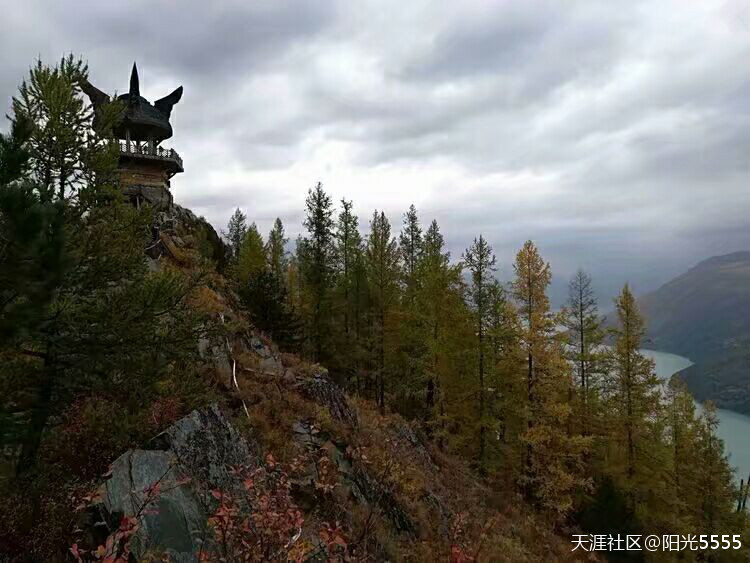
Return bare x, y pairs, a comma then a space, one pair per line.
438, 294
102, 308
383, 272
715, 491
411, 351
317, 267
276, 250
251, 257
348, 242
682, 427
265, 297
633, 400
362, 301
14, 152
585, 337
31, 260
505, 360
410, 243
62, 147
480, 261
236, 231
445, 325
554, 457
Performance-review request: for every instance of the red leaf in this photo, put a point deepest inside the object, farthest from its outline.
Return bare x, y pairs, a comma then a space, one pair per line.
76, 552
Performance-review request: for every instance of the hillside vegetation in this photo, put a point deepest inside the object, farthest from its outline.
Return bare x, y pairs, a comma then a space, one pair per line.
704, 314
356, 399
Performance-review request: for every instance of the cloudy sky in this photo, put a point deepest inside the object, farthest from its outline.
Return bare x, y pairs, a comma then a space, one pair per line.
616, 135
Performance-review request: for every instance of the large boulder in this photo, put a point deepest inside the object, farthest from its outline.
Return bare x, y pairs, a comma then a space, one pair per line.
167, 487
206, 444
171, 518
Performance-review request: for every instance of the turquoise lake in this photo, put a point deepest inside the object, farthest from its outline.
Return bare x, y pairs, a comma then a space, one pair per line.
734, 428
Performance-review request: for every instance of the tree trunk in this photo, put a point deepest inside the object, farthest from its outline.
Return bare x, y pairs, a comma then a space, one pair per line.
481, 392
37, 424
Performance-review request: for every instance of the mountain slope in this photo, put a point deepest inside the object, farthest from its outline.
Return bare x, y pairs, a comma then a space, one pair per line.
704, 314
324, 475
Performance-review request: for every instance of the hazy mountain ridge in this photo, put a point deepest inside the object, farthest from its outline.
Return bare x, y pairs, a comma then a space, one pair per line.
704, 314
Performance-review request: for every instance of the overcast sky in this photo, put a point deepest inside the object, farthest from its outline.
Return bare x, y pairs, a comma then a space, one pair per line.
614, 134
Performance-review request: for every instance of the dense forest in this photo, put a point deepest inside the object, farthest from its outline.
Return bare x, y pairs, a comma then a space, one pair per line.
97, 350
531, 397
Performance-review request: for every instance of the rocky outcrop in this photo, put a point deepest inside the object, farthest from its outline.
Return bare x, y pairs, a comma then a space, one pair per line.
158, 197
373, 492
176, 228
167, 487
206, 443
357, 479
323, 391
174, 521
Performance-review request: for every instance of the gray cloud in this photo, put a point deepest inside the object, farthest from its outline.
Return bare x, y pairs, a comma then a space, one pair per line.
616, 138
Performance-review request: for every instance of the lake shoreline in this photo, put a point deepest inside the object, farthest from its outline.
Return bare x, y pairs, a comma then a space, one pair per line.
734, 427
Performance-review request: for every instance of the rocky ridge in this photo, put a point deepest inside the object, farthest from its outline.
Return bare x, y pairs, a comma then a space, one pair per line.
379, 479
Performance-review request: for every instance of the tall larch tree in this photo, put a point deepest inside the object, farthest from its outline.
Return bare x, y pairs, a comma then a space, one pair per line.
347, 303
553, 468
585, 336
317, 267
276, 250
251, 257
411, 350
715, 488
236, 231
383, 273
506, 362
439, 298
348, 241
446, 326
634, 400
532, 276
681, 438
410, 243
480, 261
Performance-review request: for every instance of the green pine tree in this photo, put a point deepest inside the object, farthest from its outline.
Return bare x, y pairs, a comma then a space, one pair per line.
276, 250
251, 258
585, 338
383, 272
480, 261
236, 231
317, 262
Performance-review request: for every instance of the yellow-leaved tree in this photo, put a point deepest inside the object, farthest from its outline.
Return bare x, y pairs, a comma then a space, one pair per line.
554, 460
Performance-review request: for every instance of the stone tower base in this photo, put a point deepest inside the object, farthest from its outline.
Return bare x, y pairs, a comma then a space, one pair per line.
160, 198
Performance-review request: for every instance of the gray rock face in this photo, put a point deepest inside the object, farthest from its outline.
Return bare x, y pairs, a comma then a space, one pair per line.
187, 460
257, 346
174, 522
270, 365
157, 196
369, 488
322, 390
206, 443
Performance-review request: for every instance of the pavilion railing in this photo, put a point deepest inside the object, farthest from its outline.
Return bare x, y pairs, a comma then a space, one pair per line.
149, 150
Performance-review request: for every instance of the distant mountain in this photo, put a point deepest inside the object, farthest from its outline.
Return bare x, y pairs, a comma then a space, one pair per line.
704, 314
